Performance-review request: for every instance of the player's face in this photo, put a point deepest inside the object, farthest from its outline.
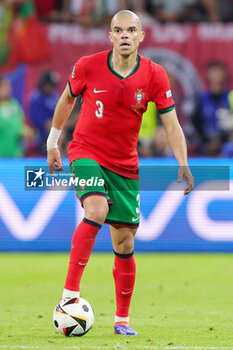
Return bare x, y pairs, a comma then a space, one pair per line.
126, 35
5, 90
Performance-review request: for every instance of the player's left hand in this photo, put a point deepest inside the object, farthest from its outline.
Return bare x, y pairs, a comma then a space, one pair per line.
185, 173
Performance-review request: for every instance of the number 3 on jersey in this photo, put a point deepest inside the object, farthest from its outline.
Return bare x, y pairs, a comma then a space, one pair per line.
100, 110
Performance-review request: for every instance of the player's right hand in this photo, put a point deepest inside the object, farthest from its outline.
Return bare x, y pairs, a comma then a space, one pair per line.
54, 161
185, 173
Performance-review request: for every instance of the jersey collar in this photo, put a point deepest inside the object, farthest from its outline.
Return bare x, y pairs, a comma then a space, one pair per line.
117, 74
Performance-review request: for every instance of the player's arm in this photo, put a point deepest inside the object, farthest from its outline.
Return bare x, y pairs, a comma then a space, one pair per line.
63, 109
61, 114
177, 142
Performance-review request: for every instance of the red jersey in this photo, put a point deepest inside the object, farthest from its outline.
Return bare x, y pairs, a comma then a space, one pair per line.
112, 108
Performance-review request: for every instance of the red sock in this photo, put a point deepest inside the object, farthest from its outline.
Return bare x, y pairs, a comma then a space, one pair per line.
124, 271
83, 241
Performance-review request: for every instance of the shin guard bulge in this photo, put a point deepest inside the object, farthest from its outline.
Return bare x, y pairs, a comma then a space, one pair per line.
83, 241
124, 271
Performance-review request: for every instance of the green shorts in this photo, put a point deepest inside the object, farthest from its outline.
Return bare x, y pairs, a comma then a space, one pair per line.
121, 193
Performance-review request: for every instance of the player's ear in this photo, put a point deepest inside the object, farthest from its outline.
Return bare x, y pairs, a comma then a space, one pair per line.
110, 36
142, 36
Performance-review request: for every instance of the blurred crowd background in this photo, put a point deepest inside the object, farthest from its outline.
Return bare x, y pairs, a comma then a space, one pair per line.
24, 127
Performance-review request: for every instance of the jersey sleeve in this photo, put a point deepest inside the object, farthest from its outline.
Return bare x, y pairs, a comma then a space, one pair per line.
77, 79
161, 91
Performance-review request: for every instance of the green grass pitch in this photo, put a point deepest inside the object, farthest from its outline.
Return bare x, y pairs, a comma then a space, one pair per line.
180, 302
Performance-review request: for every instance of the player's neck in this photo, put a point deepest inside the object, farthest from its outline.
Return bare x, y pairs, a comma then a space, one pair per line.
123, 65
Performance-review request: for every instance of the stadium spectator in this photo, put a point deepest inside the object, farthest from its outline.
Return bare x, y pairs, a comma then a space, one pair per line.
184, 10
210, 10
147, 131
213, 119
226, 10
21, 38
227, 149
42, 106
142, 8
46, 9
94, 13
67, 132
53, 10
161, 147
172, 11
136, 5
12, 127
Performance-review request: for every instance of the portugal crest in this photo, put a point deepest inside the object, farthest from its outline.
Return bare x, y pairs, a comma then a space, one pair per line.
139, 95
73, 73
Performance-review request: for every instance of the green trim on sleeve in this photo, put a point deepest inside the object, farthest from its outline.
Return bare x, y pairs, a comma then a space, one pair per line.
71, 92
230, 99
166, 110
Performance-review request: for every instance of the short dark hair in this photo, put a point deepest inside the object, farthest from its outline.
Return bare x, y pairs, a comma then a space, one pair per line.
48, 76
219, 64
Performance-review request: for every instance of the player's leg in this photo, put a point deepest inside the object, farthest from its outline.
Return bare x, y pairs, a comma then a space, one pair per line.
83, 240
124, 271
95, 203
123, 216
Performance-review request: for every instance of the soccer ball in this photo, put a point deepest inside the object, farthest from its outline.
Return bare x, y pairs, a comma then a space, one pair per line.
73, 316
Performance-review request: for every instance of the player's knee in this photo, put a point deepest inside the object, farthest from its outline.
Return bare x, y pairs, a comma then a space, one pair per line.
126, 245
96, 214
96, 210
125, 248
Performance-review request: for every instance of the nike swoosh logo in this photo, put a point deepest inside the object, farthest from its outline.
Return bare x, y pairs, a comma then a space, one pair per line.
127, 292
81, 264
97, 91
135, 219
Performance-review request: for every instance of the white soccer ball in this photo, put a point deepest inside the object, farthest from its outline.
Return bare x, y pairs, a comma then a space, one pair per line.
73, 316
